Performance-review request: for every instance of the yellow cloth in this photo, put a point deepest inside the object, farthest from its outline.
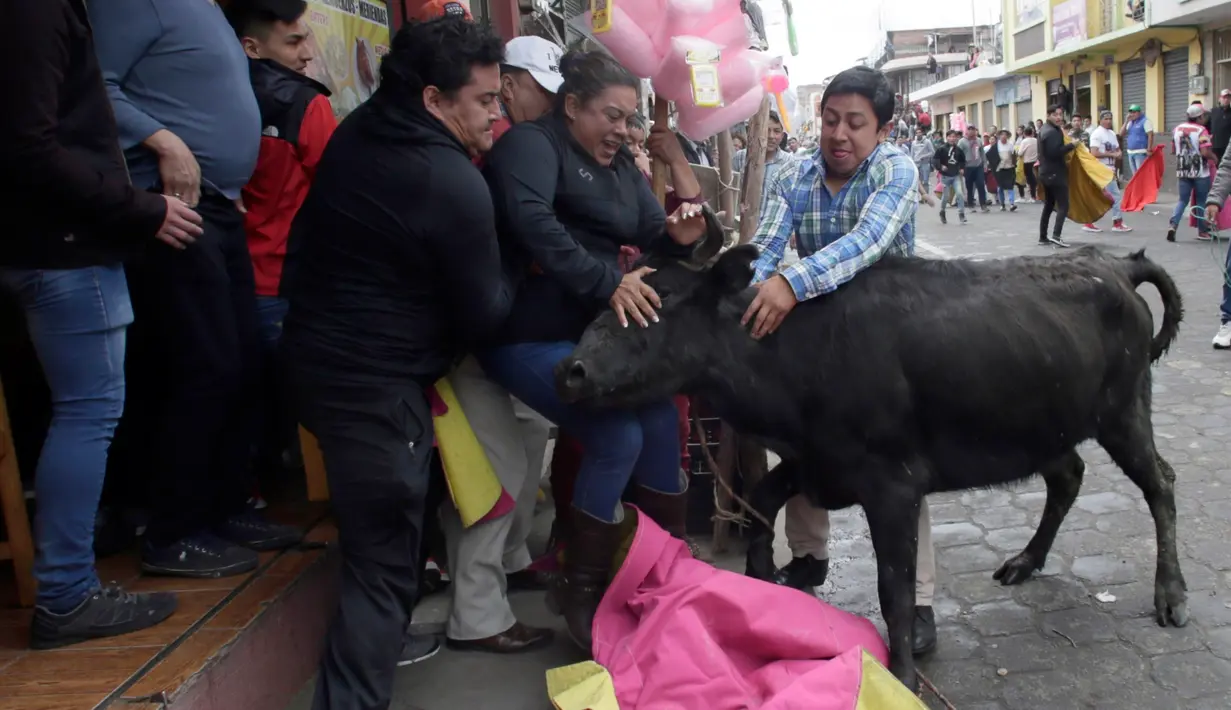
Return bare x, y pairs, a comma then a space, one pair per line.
879, 690
1020, 178
1087, 179
472, 480
581, 686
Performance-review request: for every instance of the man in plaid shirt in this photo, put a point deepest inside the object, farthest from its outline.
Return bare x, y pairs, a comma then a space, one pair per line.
848, 205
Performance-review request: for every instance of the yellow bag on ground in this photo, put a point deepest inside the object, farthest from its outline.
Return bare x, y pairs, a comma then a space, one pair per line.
581, 686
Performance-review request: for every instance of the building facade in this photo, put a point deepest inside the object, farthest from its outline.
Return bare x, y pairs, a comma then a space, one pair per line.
915, 59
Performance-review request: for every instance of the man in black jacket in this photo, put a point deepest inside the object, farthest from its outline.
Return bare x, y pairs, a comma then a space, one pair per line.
393, 272
1054, 174
72, 217
1220, 123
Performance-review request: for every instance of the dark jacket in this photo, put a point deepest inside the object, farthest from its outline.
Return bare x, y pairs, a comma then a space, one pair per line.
993, 159
562, 218
949, 160
393, 269
1220, 126
64, 190
296, 123
1053, 172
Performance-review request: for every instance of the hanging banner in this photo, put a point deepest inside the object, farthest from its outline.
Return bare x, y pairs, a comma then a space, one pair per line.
1068, 22
941, 104
1023, 92
348, 39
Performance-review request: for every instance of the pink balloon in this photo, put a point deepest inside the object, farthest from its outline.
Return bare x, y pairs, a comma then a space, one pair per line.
719, 21
649, 15
777, 83
701, 123
631, 44
738, 71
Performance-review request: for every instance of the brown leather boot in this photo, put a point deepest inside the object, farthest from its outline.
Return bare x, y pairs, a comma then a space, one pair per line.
670, 511
588, 556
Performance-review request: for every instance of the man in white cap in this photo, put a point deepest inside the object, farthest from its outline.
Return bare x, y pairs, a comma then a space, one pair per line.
529, 79
490, 558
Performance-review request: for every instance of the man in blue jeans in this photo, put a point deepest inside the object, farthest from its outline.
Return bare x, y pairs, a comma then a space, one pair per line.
73, 216
1193, 153
975, 170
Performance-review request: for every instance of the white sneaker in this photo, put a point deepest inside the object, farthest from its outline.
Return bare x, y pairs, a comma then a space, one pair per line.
1222, 341
1121, 227
1090, 228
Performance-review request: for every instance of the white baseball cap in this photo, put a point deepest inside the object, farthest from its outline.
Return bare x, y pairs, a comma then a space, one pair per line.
538, 56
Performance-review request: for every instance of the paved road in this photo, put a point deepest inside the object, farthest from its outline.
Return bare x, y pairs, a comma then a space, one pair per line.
1047, 644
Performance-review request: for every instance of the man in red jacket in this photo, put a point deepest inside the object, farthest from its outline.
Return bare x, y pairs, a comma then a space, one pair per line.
296, 123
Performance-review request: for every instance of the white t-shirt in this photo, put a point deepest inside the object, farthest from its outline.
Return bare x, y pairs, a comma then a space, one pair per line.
1105, 140
1187, 140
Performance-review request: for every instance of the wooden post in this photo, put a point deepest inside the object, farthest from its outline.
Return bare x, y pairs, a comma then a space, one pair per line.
754, 174
20, 545
727, 192
659, 170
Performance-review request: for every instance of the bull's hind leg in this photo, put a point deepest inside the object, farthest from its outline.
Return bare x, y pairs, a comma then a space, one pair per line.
1128, 438
1063, 477
770, 495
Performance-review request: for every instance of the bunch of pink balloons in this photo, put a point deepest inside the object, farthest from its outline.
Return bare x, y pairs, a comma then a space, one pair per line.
662, 39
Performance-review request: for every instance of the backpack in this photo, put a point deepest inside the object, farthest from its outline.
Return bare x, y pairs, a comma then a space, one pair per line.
1188, 160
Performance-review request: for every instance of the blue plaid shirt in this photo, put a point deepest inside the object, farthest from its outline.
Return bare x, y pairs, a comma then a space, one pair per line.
837, 235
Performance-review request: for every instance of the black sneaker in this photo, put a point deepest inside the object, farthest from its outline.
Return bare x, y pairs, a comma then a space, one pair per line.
925, 631
803, 572
984, 209
109, 611
1171, 234
418, 647
1056, 240
199, 556
961, 218
1013, 207
1002, 207
942, 218
251, 530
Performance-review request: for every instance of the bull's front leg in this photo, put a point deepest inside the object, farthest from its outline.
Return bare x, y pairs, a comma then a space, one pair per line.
893, 520
768, 497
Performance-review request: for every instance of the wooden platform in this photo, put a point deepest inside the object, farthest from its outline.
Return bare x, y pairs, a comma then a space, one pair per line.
236, 643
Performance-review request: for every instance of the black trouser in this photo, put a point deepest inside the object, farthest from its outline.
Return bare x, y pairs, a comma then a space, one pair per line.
1032, 181
196, 359
376, 442
1055, 197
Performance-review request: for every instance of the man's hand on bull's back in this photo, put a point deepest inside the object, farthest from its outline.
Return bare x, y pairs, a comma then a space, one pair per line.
775, 298
634, 297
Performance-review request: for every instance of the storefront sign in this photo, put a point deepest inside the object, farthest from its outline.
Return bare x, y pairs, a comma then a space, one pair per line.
1068, 22
349, 37
1029, 12
1023, 89
941, 104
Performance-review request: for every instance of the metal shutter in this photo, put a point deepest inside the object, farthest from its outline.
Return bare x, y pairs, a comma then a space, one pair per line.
1132, 87
1175, 88
571, 9
1002, 116
987, 113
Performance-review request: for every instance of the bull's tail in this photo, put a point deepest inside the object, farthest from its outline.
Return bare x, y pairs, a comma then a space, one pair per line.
1142, 270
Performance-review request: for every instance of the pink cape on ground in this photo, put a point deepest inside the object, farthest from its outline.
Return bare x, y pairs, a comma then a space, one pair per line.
678, 634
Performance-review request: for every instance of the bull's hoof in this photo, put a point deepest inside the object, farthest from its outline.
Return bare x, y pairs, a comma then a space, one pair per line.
1170, 606
760, 562
1016, 570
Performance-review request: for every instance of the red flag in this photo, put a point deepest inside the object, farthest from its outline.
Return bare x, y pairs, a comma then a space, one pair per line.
1142, 190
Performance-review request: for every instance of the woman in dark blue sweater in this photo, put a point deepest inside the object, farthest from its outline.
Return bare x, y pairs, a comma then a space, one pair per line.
567, 196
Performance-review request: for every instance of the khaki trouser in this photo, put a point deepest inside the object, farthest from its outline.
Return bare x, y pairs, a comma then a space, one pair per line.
807, 533
514, 438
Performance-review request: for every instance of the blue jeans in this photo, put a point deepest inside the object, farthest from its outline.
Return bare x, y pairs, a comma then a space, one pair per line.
1113, 187
1005, 195
270, 312
617, 445
77, 320
952, 189
1187, 187
1134, 162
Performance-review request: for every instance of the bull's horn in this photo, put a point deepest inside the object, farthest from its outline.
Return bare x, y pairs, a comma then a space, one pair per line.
708, 246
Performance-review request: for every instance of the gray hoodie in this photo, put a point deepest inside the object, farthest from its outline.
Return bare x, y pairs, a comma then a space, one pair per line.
973, 150
922, 150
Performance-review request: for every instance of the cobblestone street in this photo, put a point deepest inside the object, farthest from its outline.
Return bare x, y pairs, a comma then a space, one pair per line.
1048, 644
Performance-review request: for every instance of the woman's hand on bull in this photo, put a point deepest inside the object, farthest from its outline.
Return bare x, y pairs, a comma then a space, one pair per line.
687, 224
634, 297
775, 298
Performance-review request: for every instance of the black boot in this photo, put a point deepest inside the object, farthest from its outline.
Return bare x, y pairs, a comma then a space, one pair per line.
802, 573
670, 511
588, 555
925, 631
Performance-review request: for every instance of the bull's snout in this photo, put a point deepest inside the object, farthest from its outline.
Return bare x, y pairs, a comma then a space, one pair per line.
570, 379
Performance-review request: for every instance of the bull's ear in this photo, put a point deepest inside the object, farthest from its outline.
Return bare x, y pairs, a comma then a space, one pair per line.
733, 271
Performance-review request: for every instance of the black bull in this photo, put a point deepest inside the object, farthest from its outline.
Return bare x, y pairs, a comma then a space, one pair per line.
918, 376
